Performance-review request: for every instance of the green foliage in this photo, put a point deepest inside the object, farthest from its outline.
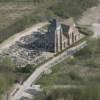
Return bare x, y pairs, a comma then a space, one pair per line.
50, 9
84, 30
6, 75
91, 92
9, 75
74, 76
67, 8
18, 26
84, 53
90, 55
27, 69
82, 68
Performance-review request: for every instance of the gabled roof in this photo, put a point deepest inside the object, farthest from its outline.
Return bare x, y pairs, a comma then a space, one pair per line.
69, 22
55, 23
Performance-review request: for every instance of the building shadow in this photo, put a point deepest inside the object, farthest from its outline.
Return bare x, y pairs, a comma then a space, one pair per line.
32, 92
36, 41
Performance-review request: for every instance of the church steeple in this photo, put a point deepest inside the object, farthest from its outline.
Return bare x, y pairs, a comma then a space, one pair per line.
58, 36
55, 31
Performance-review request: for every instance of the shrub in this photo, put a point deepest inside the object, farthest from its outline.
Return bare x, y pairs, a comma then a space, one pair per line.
27, 69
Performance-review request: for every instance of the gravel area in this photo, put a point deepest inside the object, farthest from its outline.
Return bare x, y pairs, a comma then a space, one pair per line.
27, 50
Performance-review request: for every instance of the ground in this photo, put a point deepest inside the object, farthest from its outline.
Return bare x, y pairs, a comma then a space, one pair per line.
65, 74
89, 17
16, 15
10, 12
27, 50
71, 77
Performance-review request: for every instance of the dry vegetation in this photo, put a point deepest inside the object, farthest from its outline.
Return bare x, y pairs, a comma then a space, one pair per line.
16, 15
10, 12
89, 93
83, 69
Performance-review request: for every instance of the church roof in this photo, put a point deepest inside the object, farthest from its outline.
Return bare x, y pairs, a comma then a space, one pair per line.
55, 23
69, 22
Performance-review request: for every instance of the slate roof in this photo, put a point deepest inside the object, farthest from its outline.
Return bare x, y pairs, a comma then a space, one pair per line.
65, 25
55, 23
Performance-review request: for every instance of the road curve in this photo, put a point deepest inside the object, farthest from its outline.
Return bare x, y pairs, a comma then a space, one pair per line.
37, 73
10, 41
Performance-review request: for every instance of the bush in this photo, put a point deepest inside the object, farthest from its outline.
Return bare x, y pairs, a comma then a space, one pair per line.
50, 9
7, 76
91, 92
72, 8
74, 76
27, 69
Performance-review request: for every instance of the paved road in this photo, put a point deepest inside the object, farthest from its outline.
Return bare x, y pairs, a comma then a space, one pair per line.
38, 72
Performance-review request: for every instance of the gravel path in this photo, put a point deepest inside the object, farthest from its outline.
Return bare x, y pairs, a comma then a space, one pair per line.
17, 36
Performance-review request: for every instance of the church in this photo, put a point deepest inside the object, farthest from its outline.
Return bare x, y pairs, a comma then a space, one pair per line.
61, 35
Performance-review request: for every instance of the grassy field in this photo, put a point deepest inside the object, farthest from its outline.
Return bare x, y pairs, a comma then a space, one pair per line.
10, 75
16, 15
82, 68
6, 75
10, 13
92, 92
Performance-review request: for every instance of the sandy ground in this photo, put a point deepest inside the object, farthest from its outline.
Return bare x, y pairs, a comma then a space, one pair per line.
90, 16
96, 29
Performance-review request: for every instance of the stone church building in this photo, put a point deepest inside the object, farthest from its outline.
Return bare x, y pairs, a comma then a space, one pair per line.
61, 35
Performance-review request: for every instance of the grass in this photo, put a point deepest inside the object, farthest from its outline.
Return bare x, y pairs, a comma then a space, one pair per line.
73, 8
83, 68
10, 76
16, 15
11, 13
6, 75
91, 92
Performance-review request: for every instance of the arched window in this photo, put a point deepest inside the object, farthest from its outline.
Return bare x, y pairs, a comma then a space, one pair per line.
64, 44
73, 37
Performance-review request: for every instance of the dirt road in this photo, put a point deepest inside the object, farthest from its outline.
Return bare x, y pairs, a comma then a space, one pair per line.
39, 71
10, 41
